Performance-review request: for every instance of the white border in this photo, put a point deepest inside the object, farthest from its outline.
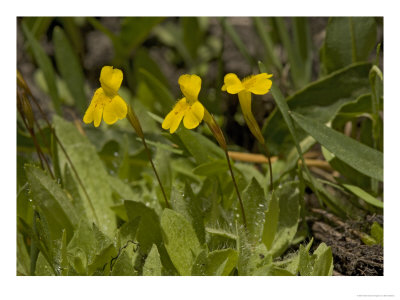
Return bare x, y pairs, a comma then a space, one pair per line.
198, 288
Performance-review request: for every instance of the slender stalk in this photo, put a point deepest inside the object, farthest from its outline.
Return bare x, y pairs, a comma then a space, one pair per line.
134, 121
237, 189
36, 144
271, 180
26, 88
155, 172
219, 136
77, 176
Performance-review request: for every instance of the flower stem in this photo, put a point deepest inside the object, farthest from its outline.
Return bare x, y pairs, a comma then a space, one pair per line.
271, 180
134, 121
24, 86
155, 172
237, 189
219, 136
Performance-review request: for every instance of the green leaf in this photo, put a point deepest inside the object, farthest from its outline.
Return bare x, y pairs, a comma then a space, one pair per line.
305, 260
211, 168
92, 174
24, 206
142, 60
215, 263
289, 213
363, 158
348, 40
149, 231
284, 109
70, 68
222, 233
134, 31
52, 202
127, 232
323, 265
271, 58
123, 266
61, 263
190, 206
153, 266
254, 203
180, 241
253, 259
377, 232
352, 175
230, 30
364, 195
159, 90
299, 58
271, 221
202, 149
353, 81
23, 258
43, 267
38, 25
163, 167
71, 188
90, 250
170, 34
192, 35
45, 65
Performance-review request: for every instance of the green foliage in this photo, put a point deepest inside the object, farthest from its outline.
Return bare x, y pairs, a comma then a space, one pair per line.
45, 65
90, 171
289, 213
180, 241
153, 266
271, 221
352, 80
348, 40
254, 207
70, 68
52, 202
364, 159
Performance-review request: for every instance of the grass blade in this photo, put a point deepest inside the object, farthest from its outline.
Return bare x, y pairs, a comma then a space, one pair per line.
45, 65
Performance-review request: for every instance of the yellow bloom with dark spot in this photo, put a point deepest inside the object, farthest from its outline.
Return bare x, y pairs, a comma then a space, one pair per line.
188, 108
257, 84
106, 102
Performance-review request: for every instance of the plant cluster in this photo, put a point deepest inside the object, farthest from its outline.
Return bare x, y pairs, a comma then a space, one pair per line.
165, 199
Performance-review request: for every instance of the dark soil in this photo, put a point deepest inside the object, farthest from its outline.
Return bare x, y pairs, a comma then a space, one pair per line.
350, 255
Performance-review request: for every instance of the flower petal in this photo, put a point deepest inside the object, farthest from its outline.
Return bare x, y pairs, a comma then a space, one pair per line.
193, 115
174, 117
99, 99
88, 117
258, 84
245, 104
110, 79
232, 85
190, 86
114, 110
97, 113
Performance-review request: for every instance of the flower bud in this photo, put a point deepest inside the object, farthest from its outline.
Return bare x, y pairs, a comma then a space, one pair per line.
215, 129
132, 118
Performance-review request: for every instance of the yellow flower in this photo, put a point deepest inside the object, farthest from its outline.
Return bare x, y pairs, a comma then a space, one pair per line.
106, 102
189, 107
257, 84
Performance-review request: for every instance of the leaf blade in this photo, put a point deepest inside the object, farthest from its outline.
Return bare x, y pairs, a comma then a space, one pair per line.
363, 158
